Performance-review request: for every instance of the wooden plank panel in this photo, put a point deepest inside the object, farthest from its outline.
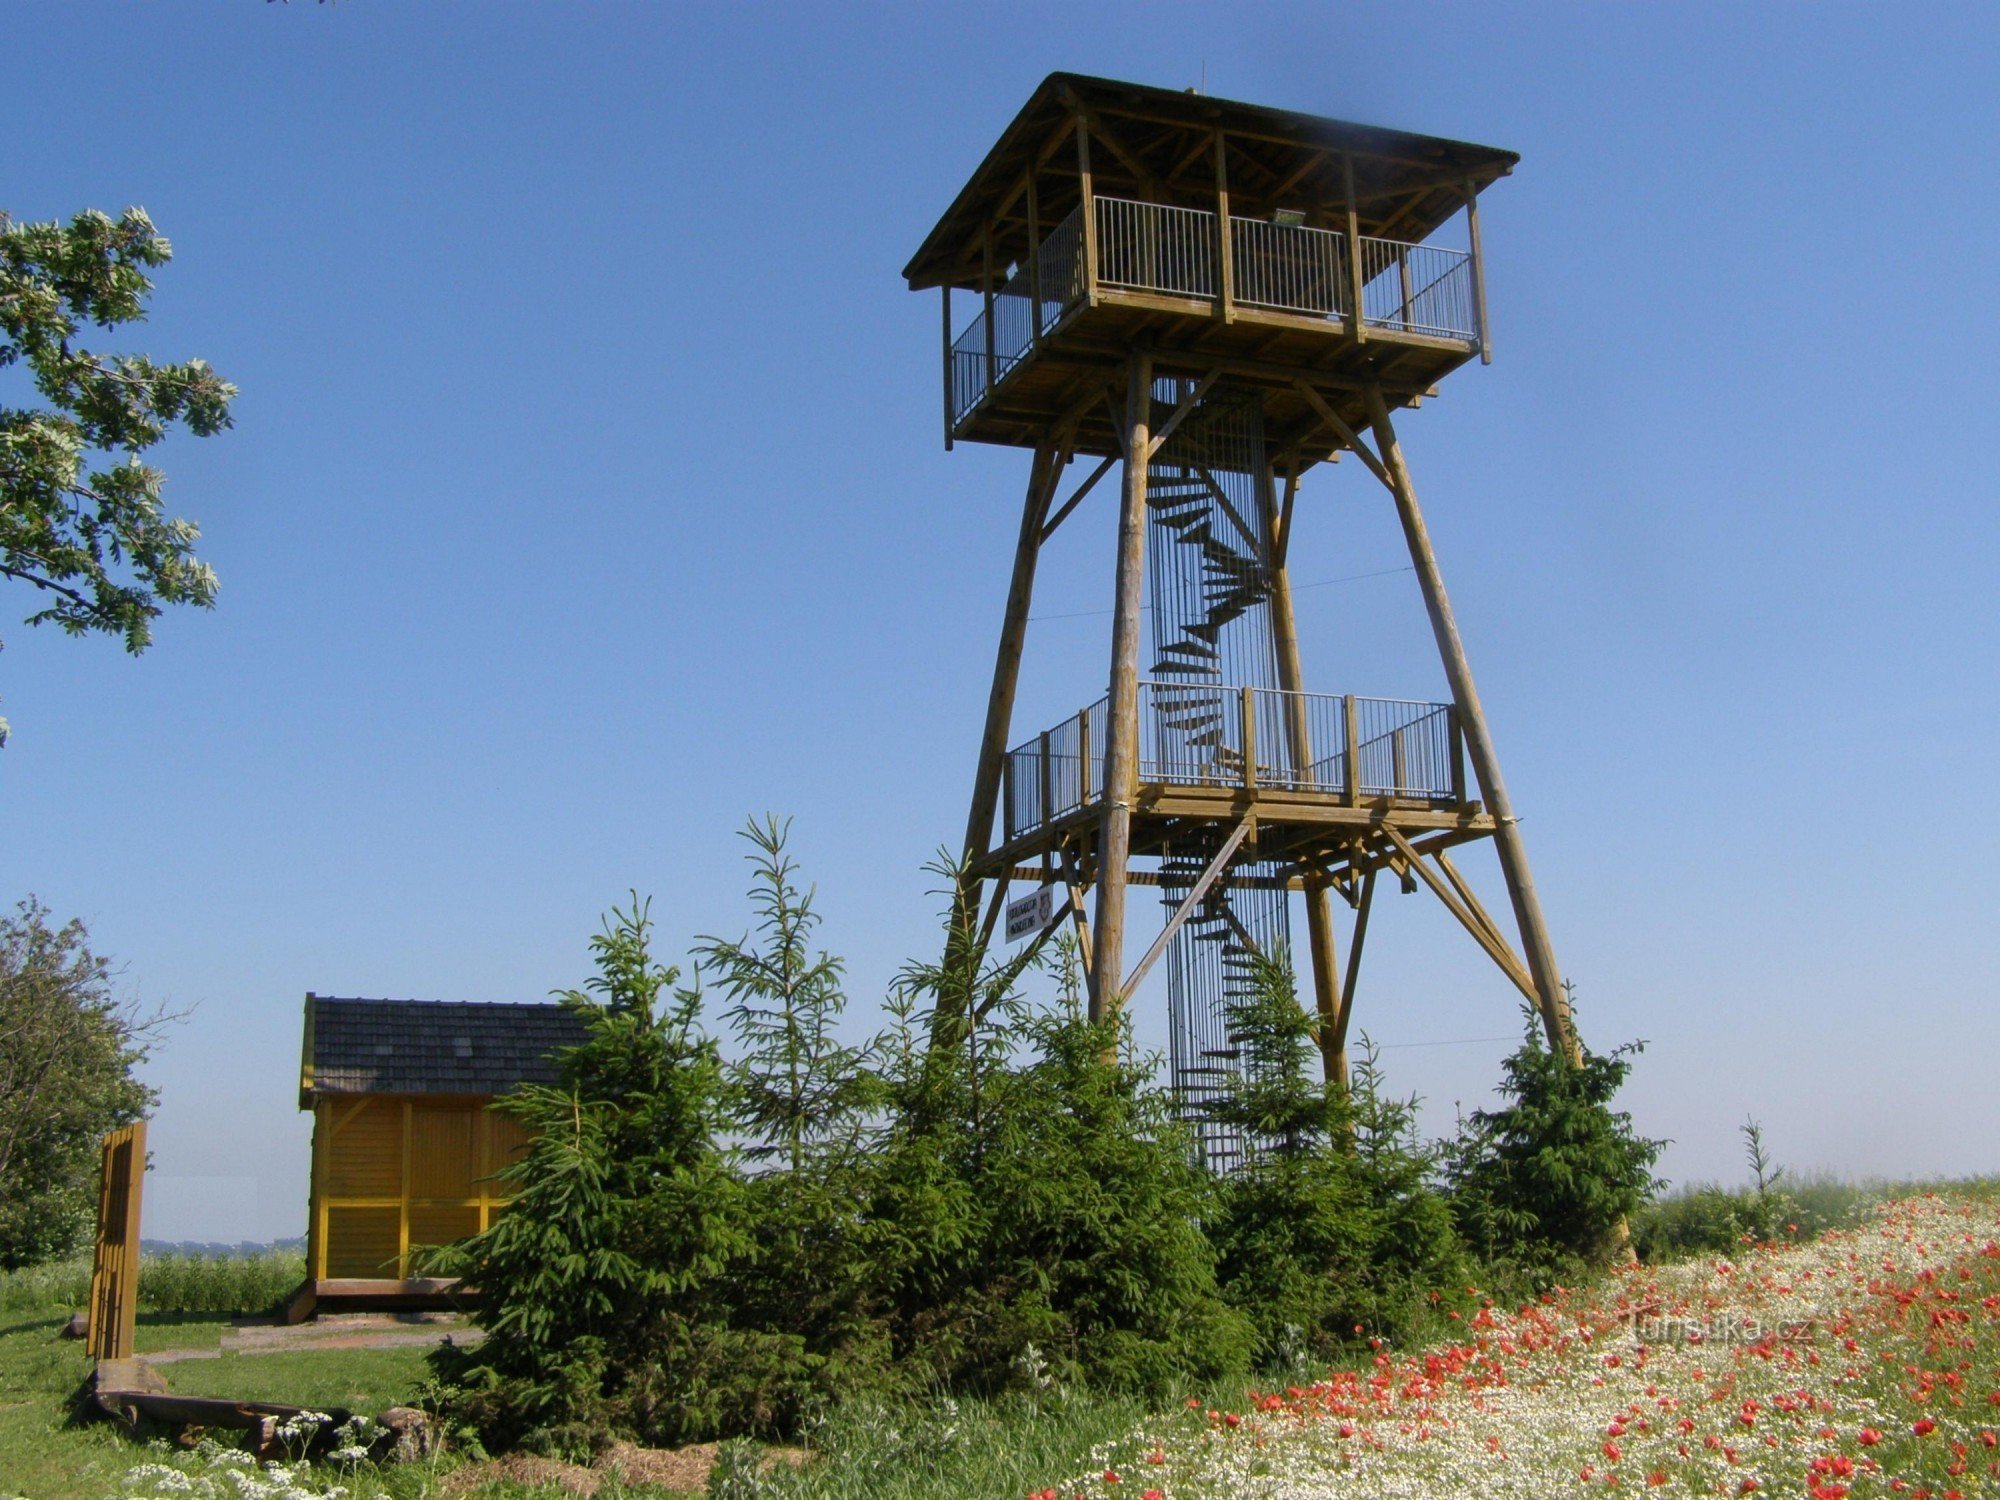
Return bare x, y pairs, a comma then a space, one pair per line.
365, 1160
443, 1151
362, 1241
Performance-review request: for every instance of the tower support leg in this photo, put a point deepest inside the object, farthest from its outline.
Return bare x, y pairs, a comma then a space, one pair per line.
1007, 662
1320, 939
1121, 739
1513, 853
1327, 999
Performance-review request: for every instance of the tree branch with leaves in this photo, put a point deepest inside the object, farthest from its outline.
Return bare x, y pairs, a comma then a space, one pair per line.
82, 519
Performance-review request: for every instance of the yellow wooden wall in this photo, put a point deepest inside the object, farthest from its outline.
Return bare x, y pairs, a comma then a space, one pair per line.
390, 1173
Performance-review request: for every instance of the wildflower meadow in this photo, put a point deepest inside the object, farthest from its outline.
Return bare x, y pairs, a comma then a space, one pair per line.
1863, 1363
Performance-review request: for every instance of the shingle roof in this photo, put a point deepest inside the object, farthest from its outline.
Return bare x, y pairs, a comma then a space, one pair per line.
430, 1046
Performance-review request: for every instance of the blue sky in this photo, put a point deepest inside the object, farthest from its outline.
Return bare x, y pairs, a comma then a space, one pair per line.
586, 495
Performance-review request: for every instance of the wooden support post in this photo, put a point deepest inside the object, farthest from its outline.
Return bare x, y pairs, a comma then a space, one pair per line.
1457, 759
1034, 263
1508, 844
1225, 278
1483, 934
1350, 729
1085, 789
1121, 737
986, 304
1327, 998
1356, 328
993, 906
1188, 903
1046, 789
1246, 703
1088, 207
1403, 275
1062, 512
1073, 883
1007, 662
110, 1316
1353, 971
1478, 275
403, 1208
949, 393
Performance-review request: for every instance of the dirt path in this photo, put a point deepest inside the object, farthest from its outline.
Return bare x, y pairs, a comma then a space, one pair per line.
340, 1331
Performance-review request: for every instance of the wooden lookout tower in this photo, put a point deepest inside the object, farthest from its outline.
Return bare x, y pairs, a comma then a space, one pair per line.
1215, 298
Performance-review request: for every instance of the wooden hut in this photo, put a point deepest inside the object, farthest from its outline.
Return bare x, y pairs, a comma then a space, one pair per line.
405, 1148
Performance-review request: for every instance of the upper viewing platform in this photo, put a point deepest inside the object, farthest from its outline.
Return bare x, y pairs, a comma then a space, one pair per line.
1274, 247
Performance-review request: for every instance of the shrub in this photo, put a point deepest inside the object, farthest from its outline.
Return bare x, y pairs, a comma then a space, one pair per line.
598, 1285
1549, 1181
1035, 1211
1331, 1228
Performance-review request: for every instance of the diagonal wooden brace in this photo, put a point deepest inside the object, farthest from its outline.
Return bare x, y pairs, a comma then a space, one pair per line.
1181, 913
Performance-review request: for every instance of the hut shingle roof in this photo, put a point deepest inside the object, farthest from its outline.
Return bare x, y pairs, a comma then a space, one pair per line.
357, 1046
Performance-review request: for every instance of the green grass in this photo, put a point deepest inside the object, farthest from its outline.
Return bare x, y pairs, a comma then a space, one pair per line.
45, 1457
361, 1380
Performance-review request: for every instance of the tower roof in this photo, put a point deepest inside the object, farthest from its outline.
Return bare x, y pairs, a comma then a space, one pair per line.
1155, 144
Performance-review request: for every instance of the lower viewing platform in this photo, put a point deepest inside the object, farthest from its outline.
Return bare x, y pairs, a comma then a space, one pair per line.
1207, 752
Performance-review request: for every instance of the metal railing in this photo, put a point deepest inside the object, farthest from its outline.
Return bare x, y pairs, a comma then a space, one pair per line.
1424, 289
1289, 268
1017, 320
1154, 247
1055, 773
1207, 735
1157, 247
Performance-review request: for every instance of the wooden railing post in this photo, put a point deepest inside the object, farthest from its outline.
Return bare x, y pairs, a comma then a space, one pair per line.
1350, 729
1457, 757
986, 294
1088, 205
1247, 704
1478, 275
1225, 283
950, 395
1403, 274
1396, 760
1048, 783
1034, 264
1007, 798
1356, 329
1083, 757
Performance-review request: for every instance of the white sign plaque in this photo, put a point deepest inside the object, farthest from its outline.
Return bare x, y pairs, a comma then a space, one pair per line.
1031, 913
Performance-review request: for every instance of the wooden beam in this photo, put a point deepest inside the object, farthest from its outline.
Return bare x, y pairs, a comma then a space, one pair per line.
1200, 888
1496, 950
993, 906
948, 390
1093, 122
1062, 513
1225, 298
1354, 945
1281, 535
1180, 412
1465, 894
1478, 274
1073, 884
1547, 988
1347, 435
1088, 204
1357, 327
1007, 659
1034, 263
